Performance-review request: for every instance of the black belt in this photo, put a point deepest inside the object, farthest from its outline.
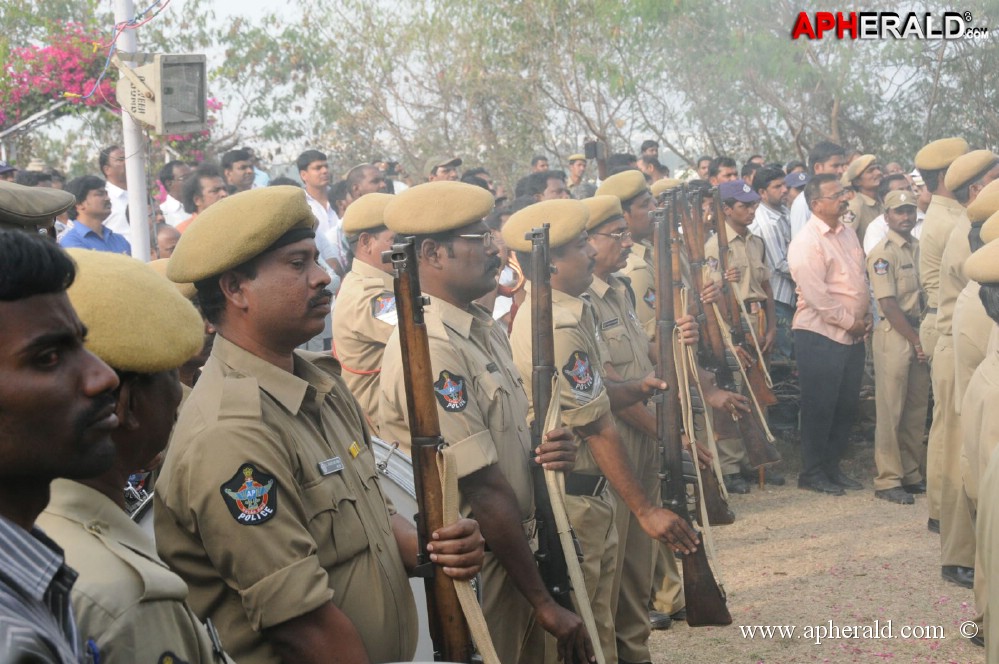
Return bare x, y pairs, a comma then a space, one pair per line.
913, 321
577, 484
930, 310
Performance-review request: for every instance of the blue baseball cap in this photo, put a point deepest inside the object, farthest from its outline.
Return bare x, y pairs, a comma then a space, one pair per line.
739, 190
799, 179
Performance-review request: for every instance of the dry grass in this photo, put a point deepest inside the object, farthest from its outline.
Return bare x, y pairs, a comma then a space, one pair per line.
799, 558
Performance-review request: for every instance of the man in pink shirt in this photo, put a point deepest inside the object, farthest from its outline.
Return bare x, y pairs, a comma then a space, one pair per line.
830, 323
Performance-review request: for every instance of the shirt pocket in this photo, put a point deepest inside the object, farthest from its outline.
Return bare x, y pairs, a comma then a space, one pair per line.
333, 519
622, 351
907, 279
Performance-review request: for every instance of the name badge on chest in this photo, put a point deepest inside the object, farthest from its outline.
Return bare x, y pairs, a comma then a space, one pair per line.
330, 466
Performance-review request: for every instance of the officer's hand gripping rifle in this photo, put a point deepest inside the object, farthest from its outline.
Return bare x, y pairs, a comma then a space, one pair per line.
705, 600
448, 628
759, 446
740, 337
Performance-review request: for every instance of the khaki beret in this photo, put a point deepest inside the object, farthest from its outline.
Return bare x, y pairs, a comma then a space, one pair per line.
899, 198
365, 213
236, 229
577, 157
186, 289
436, 207
985, 203
665, 184
567, 218
990, 229
983, 265
136, 319
31, 207
436, 162
602, 209
625, 185
969, 167
856, 167
940, 153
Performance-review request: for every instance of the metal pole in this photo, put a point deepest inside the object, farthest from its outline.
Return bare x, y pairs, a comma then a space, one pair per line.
135, 156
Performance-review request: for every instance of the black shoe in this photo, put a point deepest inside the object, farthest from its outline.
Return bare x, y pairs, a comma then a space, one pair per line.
679, 615
821, 485
735, 484
837, 476
660, 620
770, 476
962, 576
895, 494
917, 488
933, 525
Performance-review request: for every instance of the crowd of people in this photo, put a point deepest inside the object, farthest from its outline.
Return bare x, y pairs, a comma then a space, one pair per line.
267, 327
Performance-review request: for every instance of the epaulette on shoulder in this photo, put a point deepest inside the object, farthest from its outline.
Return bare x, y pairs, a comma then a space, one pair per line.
323, 361
240, 398
562, 317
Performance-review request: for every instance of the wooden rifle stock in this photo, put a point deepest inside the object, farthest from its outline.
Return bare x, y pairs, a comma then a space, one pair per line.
550, 556
705, 600
757, 381
448, 629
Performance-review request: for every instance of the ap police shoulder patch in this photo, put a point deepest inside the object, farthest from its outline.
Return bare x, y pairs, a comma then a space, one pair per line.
251, 495
881, 266
450, 392
579, 372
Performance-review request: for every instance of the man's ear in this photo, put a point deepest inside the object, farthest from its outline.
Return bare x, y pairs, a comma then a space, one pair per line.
429, 252
123, 408
231, 285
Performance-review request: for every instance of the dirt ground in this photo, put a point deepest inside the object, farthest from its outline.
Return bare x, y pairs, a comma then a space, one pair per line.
799, 558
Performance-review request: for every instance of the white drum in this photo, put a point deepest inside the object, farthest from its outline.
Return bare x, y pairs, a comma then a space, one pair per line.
396, 470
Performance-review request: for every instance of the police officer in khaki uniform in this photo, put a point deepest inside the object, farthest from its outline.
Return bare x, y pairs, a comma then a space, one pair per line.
902, 377
749, 273
966, 177
129, 606
365, 313
980, 419
269, 503
943, 212
482, 410
602, 459
32, 209
863, 175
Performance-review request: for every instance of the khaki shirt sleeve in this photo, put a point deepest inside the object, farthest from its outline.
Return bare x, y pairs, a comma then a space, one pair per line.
712, 265
881, 272
277, 572
581, 386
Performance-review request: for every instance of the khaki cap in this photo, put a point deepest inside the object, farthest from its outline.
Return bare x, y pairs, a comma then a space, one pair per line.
985, 203
969, 167
665, 184
437, 207
136, 319
856, 167
188, 290
940, 153
436, 162
365, 213
602, 209
236, 229
899, 198
31, 207
625, 185
983, 265
579, 156
990, 229
567, 219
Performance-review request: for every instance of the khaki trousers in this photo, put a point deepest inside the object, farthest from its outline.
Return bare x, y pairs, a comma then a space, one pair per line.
510, 617
957, 535
928, 336
902, 393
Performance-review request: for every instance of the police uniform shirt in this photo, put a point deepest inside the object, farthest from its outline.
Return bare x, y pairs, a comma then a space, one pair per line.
269, 505
578, 365
640, 271
363, 320
891, 268
125, 599
981, 421
745, 252
972, 328
952, 279
941, 216
481, 402
861, 212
